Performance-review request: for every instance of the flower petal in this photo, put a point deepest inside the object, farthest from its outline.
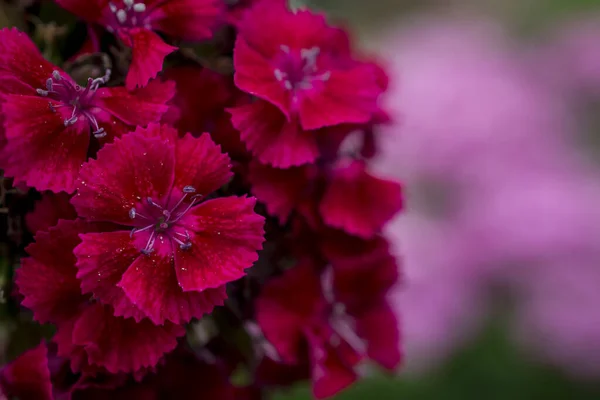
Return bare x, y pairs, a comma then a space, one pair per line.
332, 367
122, 345
130, 169
149, 52
48, 210
39, 149
271, 138
200, 163
21, 59
186, 19
138, 107
47, 278
151, 284
102, 259
27, 377
285, 307
227, 237
358, 202
280, 190
347, 96
380, 328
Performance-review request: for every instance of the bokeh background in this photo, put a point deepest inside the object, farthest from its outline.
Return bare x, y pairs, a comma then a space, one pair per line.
496, 138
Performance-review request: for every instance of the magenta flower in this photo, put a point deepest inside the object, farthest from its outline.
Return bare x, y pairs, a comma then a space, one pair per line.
88, 332
347, 196
134, 22
341, 315
307, 78
48, 117
179, 251
27, 377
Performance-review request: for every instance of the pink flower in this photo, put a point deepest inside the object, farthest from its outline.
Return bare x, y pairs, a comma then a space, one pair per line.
47, 117
134, 22
306, 77
27, 377
88, 332
178, 253
340, 315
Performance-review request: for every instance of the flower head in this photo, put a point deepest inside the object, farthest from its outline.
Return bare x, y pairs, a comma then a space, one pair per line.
48, 118
88, 332
134, 22
180, 248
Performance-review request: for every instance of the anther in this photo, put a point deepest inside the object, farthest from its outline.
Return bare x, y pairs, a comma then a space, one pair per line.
56, 75
185, 246
147, 252
42, 92
70, 121
99, 134
139, 7
122, 16
189, 189
128, 3
49, 83
132, 213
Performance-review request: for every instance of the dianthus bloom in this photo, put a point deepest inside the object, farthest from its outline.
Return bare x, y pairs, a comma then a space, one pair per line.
88, 332
340, 313
306, 78
181, 248
48, 117
134, 22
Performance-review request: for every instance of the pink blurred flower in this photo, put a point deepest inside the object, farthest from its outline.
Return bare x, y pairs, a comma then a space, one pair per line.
496, 192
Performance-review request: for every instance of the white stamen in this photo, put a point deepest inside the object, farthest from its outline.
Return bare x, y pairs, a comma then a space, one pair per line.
279, 75
122, 16
139, 7
56, 75
288, 85
128, 3
112, 7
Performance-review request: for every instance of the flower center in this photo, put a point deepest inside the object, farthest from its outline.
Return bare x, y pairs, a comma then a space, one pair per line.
298, 70
130, 14
158, 220
68, 94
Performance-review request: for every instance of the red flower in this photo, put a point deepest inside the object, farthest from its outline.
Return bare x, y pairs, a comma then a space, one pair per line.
134, 22
347, 196
304, 67
48, 210
27, 377
304, 309
179, 252
88, 332
47, 117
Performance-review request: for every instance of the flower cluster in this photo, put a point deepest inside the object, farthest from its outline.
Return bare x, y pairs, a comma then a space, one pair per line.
195, 222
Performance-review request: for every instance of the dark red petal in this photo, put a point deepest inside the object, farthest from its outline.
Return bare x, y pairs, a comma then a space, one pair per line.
279, 189
102, 259
254, 74
27, 377
89, 10
48, 210
138, 107
286, 306
200, 163
122, 345
358, 202
227, 237
348, 96
379, 326
151, 284
47, 278
132, 168
332, 367
149, 52
21, 59
39, 149
271, 138
200, 96
186, 19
